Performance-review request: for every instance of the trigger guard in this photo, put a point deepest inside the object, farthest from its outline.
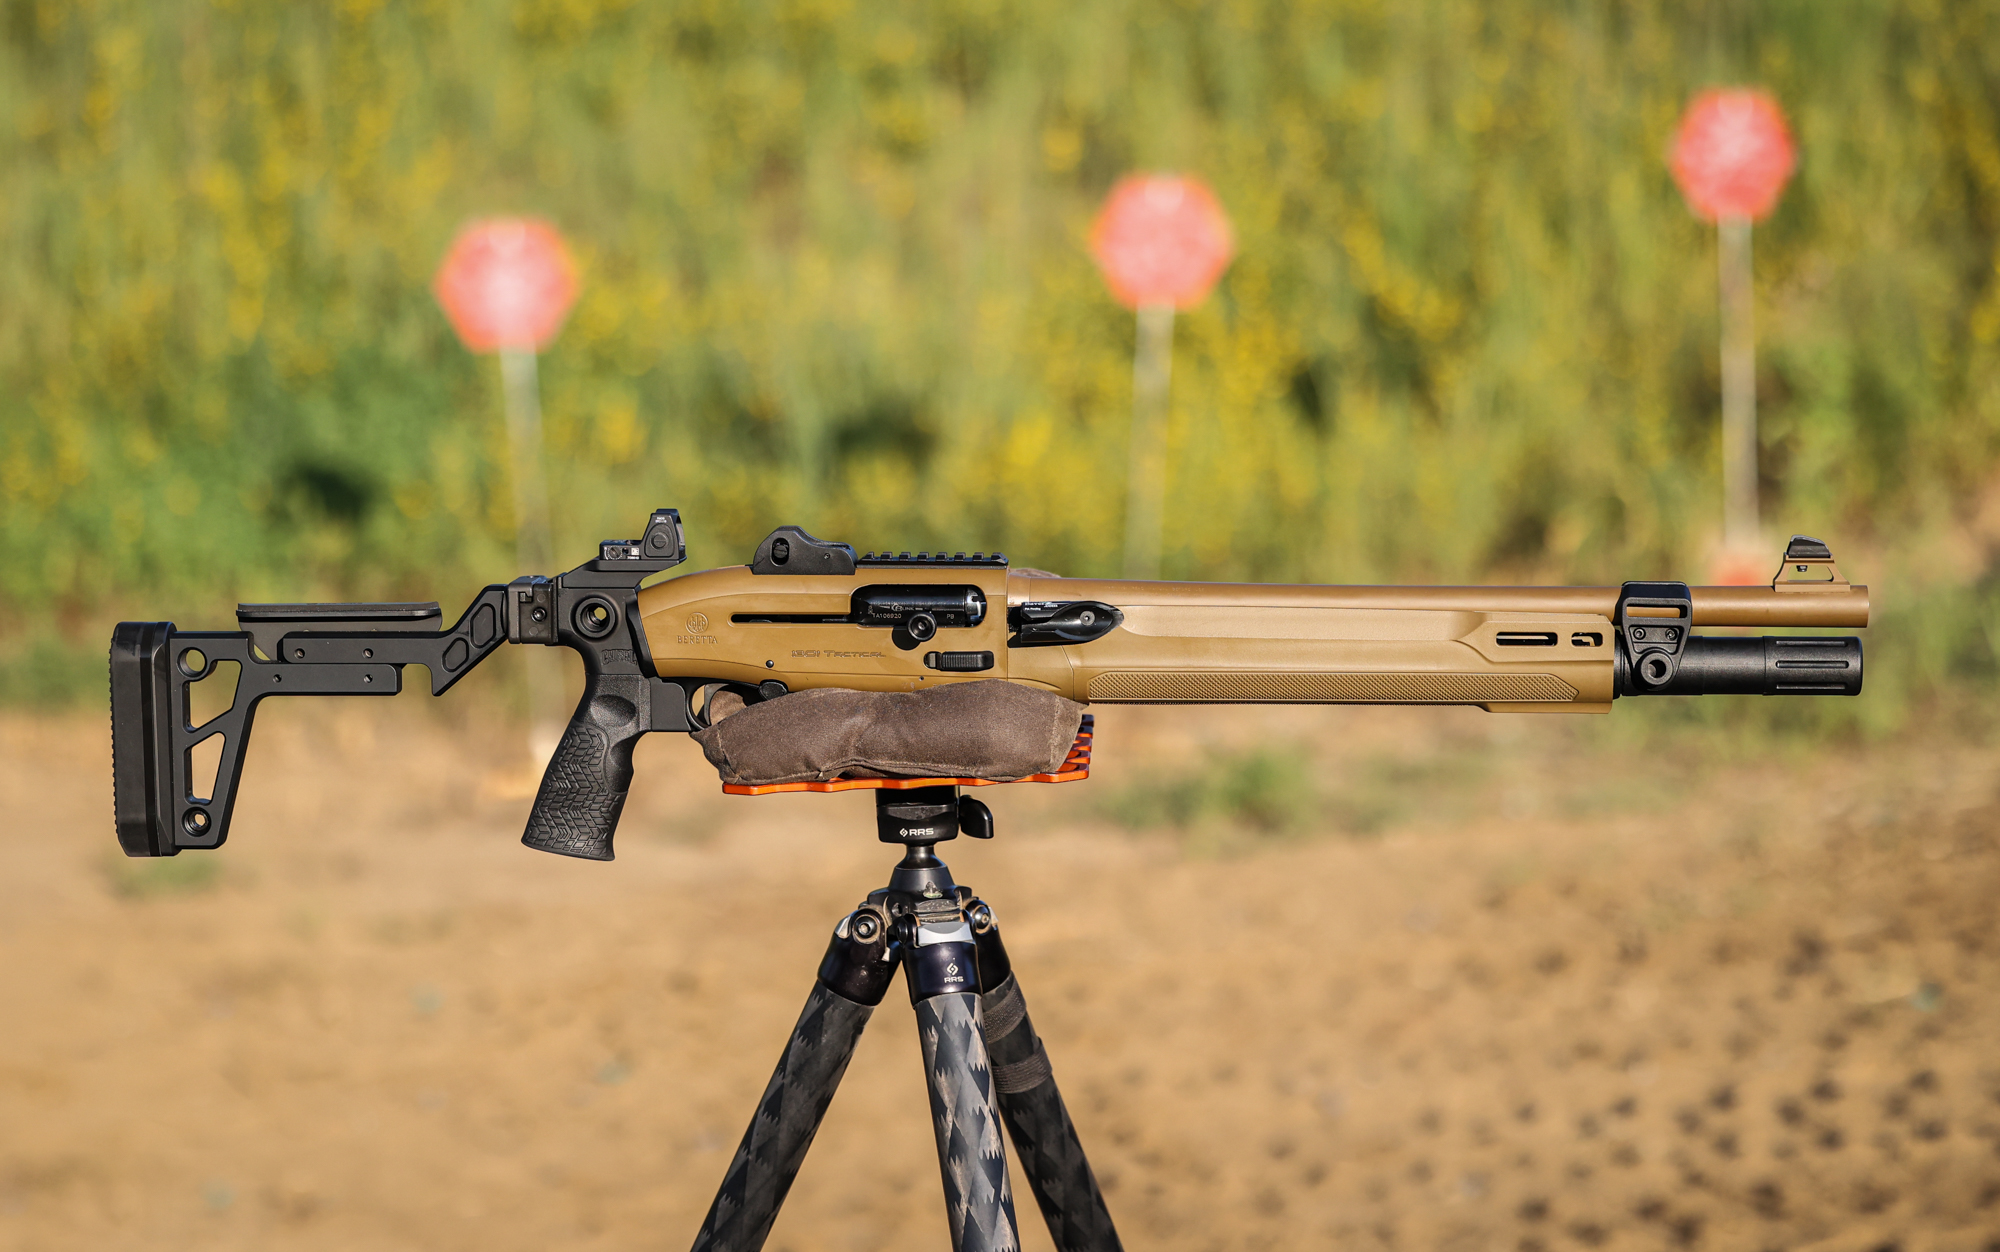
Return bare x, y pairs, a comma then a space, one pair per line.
702, 720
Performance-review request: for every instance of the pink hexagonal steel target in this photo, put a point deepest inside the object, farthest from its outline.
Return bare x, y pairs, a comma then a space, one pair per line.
1733, 154
1161, 240
507, 283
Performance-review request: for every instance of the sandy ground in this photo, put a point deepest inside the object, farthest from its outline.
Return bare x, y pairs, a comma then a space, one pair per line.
1558, 995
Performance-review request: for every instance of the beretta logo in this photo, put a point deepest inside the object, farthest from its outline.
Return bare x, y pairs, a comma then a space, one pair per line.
698, 623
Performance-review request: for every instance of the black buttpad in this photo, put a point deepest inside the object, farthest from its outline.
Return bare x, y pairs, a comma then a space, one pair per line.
142, 774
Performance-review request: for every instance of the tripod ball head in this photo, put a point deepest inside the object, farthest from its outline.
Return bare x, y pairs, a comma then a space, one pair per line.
927, 815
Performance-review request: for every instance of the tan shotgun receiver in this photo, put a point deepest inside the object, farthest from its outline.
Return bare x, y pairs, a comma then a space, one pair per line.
1515, 649
805, 613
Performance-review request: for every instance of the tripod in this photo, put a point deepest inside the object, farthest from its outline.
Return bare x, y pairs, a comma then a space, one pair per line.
982, 1058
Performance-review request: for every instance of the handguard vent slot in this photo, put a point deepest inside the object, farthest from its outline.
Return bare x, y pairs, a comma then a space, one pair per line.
1526, 638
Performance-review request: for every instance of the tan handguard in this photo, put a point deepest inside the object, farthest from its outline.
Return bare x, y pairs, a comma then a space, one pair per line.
903, 622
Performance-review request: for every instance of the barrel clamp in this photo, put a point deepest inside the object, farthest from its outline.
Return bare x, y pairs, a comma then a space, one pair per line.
1654, 641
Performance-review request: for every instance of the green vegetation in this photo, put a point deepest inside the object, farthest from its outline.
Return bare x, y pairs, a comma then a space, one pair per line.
1268, 792
167, 876
1229, 797
834, 273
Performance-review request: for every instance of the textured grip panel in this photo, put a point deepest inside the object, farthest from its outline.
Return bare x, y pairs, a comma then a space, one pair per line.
583, 791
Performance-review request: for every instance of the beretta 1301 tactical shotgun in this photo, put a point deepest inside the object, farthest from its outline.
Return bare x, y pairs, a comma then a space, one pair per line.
810, 614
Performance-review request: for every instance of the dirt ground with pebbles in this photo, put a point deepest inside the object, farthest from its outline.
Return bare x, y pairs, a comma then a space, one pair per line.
1510, 983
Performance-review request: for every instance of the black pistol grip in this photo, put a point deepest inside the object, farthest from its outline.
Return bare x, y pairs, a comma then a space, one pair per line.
583, 791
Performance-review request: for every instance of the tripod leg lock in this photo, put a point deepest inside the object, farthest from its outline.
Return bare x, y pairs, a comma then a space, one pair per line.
860, 960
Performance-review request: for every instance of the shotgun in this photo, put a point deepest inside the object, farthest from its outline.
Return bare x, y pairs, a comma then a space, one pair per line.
805, 613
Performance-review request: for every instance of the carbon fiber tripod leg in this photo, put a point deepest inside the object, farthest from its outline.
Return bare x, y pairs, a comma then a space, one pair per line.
970, 1153
1044, 1139
852, 980
941, 964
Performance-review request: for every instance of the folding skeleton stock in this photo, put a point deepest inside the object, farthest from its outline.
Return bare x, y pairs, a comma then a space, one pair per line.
806, 613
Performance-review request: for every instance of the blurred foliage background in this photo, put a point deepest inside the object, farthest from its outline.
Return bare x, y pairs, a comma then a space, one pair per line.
834, 273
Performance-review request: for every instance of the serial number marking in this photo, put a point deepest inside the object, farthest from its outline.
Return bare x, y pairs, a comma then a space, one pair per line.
809, 653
